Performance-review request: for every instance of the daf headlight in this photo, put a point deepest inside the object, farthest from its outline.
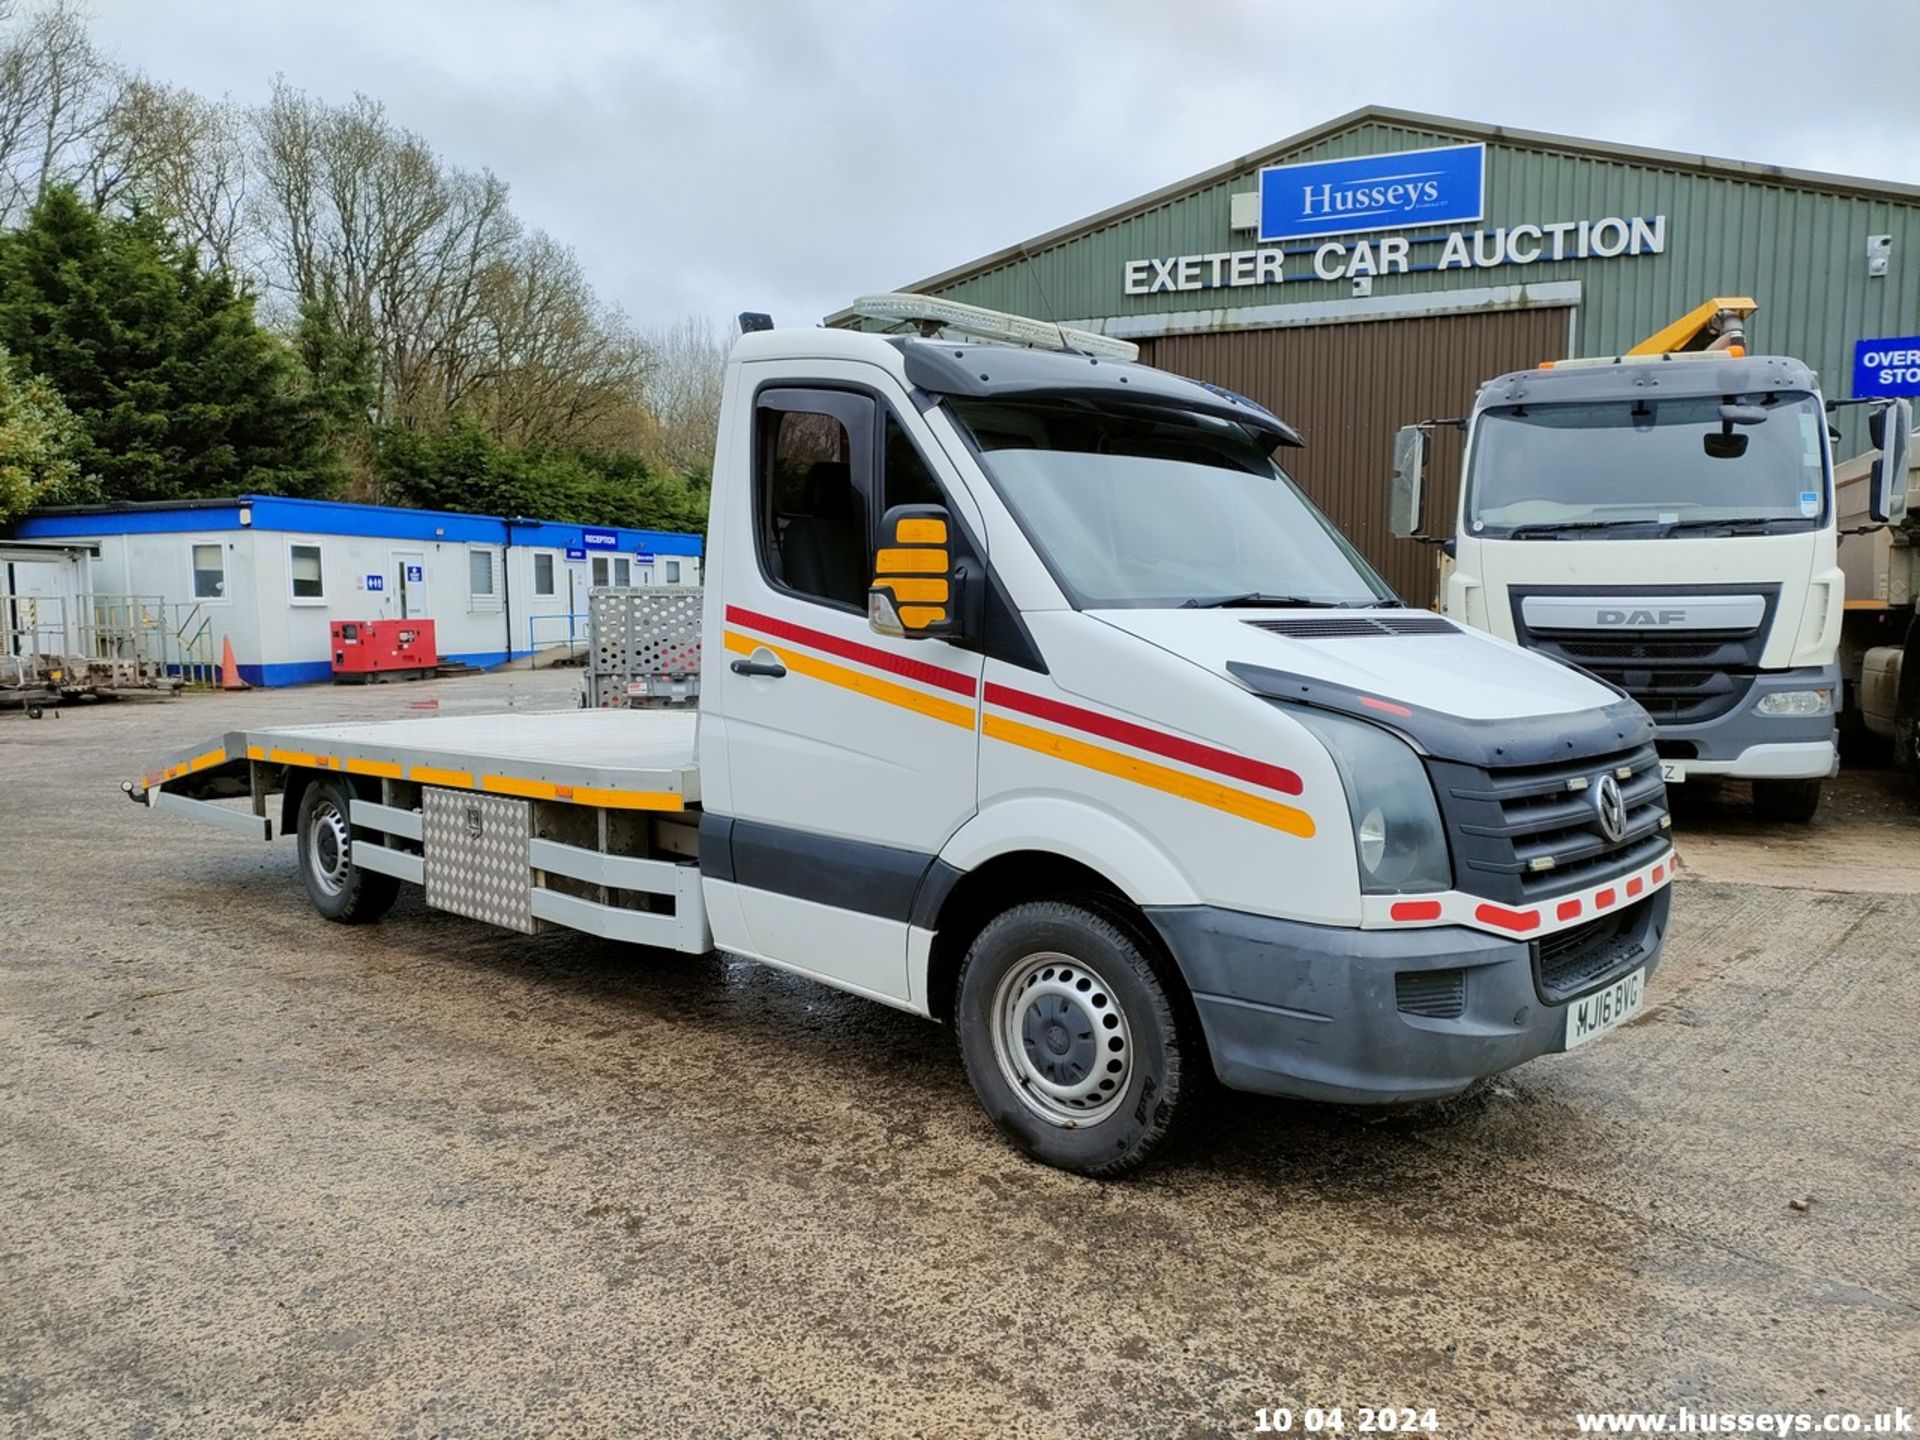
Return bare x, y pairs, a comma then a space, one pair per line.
1795, 702
1397, 835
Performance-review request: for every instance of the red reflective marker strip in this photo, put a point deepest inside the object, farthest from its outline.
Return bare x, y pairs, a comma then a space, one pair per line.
1567, 909
852, 650
1221, 762
1520, 920
1415, 910
1603, 899
1386, 705
1635, 885
1659, 872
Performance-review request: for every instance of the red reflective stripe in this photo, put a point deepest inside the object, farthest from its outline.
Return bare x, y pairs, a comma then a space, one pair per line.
1659, 872
1636, 885
1415, 910
1603, 899
1567, 909
1221, 762
1508, 919
1386, 705
852, 650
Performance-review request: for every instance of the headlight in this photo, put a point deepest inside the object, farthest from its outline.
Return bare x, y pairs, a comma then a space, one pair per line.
1396, 825
1796, 702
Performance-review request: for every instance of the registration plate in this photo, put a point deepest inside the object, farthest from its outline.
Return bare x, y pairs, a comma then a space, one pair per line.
1673, 771
1599, 1012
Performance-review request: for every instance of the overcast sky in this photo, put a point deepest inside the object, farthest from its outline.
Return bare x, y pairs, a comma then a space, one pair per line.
710, 156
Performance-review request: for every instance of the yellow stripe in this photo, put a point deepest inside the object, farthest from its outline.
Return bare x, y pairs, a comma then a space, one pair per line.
870, 686
431, 775
1865, 605
1157, 777
385, 769
910, 562
922, 531
255, 752
513, 785
293, 757
627, 799
212, 757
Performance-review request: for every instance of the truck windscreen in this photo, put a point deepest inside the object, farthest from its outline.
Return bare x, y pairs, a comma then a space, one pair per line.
1156, 508
1634, 468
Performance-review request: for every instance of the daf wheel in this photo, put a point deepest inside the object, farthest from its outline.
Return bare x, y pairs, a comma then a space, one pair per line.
339, 889
1074, 1041
1791, 801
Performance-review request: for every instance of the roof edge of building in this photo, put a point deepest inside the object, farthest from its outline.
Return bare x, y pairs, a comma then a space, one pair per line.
1467, 129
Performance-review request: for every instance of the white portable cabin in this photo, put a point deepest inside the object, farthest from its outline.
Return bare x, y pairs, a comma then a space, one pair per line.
271, 574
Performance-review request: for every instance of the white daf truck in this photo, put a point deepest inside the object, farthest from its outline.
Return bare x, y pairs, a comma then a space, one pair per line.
1037, 699
1666, 521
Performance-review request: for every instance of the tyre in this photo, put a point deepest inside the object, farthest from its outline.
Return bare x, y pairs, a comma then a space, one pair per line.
1793, 801
1075, 1035
339, 889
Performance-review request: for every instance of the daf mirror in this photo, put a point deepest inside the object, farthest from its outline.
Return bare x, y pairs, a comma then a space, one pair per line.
1411, 444
1891, 429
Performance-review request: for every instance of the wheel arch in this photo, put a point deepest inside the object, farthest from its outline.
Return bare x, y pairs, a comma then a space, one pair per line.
1030, 849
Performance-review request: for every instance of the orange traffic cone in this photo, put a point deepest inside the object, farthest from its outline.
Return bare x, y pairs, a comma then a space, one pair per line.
229, 671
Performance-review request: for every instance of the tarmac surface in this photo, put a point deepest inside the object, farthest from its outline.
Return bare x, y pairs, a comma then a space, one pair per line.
263, 1175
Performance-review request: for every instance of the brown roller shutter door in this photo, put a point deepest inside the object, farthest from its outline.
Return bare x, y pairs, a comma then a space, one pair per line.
1347, 388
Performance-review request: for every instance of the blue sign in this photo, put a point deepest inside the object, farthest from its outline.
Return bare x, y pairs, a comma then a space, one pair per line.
376, 582
576, 552
1373, 192
1887, 367
416, 574
599, 539
643, 557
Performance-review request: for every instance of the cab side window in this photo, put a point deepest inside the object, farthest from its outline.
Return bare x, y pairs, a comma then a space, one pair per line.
812, 476
906, 479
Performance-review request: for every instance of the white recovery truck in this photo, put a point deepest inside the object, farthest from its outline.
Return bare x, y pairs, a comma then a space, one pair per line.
1665, 519
1037, 699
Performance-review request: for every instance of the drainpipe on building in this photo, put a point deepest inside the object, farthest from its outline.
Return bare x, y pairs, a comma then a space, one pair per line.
506, 586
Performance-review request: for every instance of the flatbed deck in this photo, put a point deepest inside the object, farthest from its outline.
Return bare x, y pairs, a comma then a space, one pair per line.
617, 759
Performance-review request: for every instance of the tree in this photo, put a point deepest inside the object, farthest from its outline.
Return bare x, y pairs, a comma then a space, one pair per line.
38, 438
178, 392
682, 392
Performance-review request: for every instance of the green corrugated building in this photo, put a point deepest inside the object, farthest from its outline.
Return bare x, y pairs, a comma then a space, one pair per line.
1357, 296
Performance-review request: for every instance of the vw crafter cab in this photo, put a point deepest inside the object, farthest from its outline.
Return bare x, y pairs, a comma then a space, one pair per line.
1037, 699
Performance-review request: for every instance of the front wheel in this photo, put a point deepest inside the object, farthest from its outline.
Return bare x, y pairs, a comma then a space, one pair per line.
338, 888
1793, 801
1074, 1041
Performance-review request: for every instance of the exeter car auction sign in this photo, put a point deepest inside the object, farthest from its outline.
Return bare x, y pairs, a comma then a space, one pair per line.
1887, 367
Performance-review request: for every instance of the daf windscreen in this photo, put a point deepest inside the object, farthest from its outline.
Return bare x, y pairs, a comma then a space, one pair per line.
1647, 466
1156, 508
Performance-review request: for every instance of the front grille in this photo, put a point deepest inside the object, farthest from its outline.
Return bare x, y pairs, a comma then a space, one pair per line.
1583, 957
1680, 677
1523, 832
1334, 627
1435, 994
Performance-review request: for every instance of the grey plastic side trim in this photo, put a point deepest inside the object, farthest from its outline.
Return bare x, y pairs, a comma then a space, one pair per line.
387, 818
636, 927
624, 872
383, 861
241, 822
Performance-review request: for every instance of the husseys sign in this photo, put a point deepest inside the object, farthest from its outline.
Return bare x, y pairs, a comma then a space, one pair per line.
1347, 206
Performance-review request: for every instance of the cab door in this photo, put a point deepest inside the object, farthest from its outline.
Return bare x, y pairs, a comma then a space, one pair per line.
852, 756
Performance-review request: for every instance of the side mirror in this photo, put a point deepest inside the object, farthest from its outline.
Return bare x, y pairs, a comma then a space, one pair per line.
1891, 429
1410, 446
914, 592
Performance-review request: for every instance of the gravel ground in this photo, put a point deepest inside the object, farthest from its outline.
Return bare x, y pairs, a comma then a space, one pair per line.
261, 1175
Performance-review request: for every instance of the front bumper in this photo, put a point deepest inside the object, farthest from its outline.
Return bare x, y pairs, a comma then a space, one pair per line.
1747, 745
1317, 1013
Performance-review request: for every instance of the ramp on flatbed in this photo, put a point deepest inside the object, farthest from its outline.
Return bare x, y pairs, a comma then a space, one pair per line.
623, 759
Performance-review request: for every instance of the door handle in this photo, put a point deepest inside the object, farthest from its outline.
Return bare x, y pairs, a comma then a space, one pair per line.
771, 669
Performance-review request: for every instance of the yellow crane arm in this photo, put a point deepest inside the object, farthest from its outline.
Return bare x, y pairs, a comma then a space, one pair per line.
1698, 328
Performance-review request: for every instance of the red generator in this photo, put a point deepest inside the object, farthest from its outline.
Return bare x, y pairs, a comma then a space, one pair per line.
369, 650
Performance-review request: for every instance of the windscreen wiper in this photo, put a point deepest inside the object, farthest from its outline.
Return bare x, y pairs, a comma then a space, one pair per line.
1542, 529
1738, 522
1253, 599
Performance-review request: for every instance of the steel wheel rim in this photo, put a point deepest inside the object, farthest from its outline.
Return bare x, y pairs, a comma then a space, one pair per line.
1061, 1039
329, 848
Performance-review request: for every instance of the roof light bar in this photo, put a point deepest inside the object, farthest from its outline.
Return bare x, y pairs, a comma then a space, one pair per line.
934, 315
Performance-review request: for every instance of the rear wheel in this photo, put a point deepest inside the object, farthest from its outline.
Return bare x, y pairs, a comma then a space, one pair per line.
1074, 1041
339, 889
1793, 801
